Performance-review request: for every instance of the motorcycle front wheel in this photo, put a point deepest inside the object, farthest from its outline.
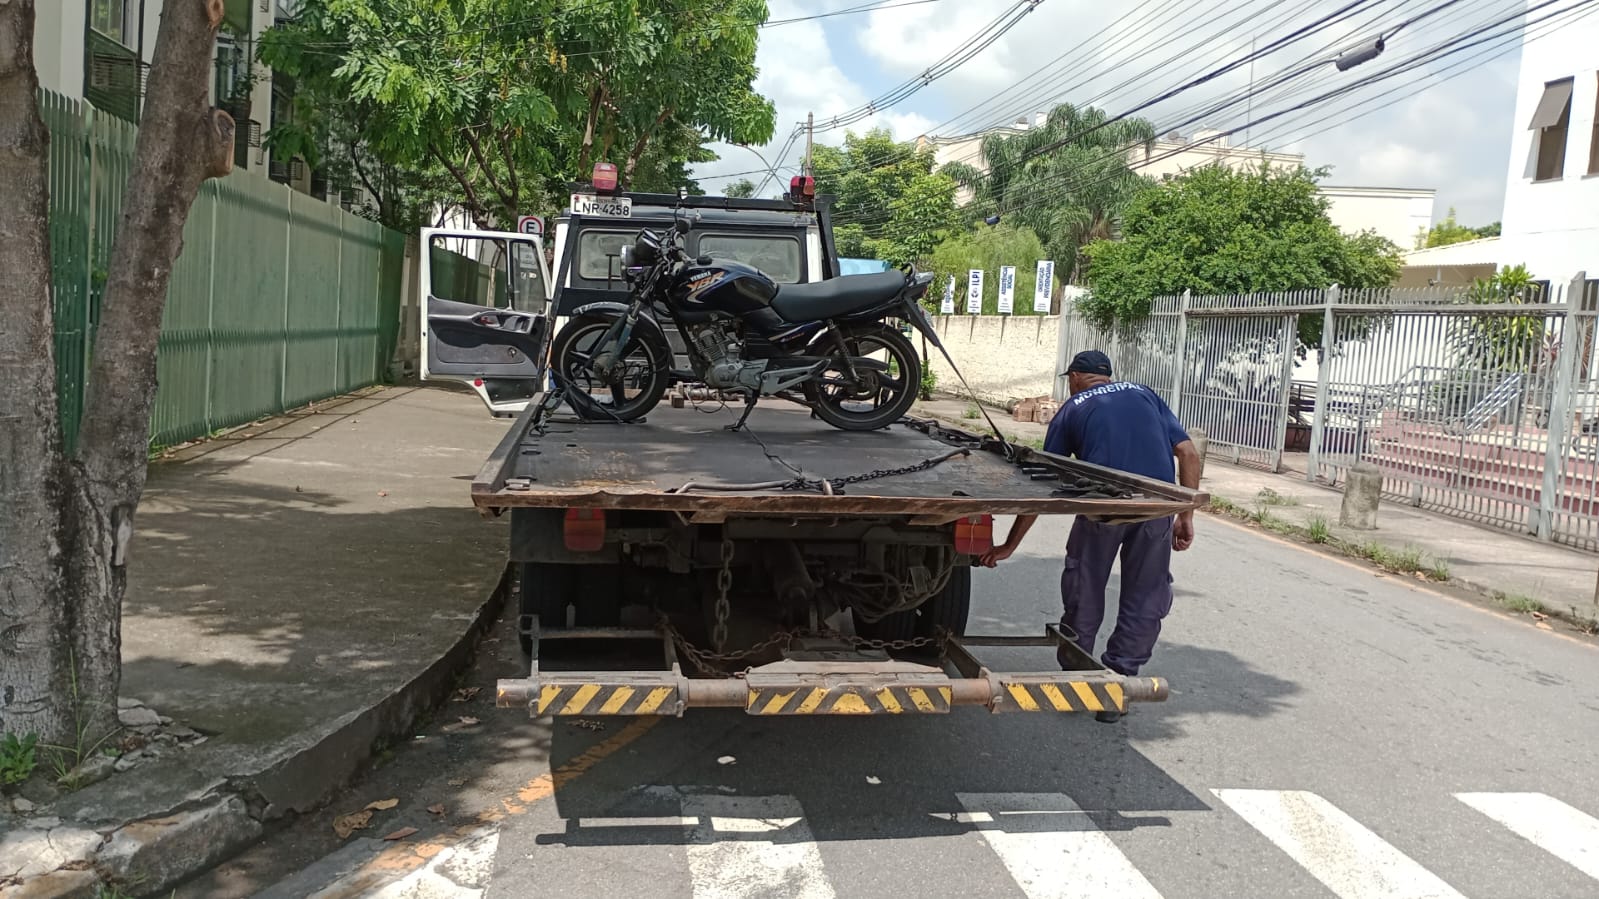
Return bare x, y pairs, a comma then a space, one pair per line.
879, 395
634, 386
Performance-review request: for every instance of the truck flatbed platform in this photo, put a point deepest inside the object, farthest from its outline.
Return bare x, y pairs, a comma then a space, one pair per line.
787, 463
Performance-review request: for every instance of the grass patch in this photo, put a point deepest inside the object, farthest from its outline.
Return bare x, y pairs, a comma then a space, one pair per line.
1223, 506
1270, 497
1438, 570
1318, 531
1518, 602
972, 412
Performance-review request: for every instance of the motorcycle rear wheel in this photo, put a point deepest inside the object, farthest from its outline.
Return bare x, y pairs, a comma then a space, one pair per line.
879, 398
632, 392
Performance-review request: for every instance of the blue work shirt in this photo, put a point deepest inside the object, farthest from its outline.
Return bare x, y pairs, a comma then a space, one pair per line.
1119, 425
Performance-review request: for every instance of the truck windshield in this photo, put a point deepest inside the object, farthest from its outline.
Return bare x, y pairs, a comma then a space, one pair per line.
777, 256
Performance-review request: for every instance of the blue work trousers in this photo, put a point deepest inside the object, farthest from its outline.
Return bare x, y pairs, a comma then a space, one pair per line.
1146, 587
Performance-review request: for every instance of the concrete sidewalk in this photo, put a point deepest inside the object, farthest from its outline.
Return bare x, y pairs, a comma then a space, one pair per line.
1484, 559
300, 590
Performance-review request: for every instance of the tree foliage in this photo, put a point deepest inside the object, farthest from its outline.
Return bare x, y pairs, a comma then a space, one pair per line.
1504, 343
742, 188
1451, 231
507, 101
988, 248
1220, 231
1069, 195
890, 203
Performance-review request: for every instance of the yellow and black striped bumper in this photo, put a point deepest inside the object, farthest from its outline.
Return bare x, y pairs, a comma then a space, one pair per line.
602, 694
848, 699
1059, 694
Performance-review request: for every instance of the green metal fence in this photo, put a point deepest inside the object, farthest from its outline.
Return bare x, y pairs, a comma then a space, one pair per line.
278, 298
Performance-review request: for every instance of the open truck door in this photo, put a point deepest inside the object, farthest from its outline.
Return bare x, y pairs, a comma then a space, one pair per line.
486, 319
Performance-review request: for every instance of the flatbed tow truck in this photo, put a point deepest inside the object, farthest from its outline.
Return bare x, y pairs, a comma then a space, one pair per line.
785, 569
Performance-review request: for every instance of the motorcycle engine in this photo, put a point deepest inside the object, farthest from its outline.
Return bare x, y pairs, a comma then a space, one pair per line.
725, 369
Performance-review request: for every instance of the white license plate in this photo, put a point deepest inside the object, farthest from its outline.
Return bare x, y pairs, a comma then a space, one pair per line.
610, 207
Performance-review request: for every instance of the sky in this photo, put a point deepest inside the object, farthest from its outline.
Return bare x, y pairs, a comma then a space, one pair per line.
1445, 124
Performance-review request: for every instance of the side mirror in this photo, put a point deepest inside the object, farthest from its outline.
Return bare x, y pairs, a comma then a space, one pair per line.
683, 226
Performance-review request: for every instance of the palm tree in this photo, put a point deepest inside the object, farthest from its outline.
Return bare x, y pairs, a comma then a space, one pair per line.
1067, 180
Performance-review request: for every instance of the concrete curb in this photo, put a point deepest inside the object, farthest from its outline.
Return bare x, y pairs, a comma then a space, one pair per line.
152, 854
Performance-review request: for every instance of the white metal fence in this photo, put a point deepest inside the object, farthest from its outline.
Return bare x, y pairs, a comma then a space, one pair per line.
1482, 407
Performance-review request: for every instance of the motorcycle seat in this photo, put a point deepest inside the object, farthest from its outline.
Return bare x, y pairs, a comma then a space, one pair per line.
836, 296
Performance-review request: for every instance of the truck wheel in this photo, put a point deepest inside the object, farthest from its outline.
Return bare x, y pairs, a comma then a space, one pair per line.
949, 608
547, 590
898, 626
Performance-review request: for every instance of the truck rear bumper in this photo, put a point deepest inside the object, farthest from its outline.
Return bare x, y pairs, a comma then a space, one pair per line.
808, 684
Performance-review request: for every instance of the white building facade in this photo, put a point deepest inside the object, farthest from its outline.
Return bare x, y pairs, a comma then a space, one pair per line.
1395, 213
1551, 214
100, 51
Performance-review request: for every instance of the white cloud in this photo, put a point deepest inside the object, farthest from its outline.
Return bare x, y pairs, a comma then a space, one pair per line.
1453, 137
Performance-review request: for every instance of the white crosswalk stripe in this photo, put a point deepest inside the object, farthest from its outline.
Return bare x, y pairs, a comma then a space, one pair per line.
729, 859
1052, 849
1546, 822
1336, 849
755, 847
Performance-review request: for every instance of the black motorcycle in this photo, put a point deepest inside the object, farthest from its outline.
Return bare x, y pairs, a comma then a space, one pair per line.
744, 333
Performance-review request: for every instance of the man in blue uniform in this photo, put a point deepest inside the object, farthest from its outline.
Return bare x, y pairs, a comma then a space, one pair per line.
1126, 426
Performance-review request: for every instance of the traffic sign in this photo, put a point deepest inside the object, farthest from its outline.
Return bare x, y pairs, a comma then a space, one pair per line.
530, 224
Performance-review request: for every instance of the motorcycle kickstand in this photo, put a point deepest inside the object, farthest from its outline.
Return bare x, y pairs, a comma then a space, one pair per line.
749, 406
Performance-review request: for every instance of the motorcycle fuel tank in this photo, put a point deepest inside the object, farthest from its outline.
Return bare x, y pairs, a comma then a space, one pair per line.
730, 288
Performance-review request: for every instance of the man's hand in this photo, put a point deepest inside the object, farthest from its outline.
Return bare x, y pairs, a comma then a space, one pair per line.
1182, 532
996, 555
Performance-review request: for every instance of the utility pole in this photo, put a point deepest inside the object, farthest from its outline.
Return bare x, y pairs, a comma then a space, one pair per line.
810, 132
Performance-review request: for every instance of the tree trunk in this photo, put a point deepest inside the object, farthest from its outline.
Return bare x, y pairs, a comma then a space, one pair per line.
639, 147
35, 663
596, 100
181, 142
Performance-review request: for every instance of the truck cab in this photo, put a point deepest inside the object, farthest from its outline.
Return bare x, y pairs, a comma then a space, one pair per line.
493, 300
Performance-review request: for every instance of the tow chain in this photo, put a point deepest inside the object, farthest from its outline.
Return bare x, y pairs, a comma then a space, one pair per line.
724, 582
837, 485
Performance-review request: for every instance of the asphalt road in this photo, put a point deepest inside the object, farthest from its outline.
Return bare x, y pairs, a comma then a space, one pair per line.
1331, 732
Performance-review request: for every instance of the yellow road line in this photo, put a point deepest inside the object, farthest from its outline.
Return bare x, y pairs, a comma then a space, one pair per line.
402, 859
1394, 579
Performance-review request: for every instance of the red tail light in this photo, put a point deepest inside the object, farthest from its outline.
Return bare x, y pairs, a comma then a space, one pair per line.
604, 177
801, 188
585, 530
974, 534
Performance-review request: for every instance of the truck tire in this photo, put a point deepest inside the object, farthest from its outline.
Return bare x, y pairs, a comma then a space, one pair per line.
898, 626
949, 607
547, 589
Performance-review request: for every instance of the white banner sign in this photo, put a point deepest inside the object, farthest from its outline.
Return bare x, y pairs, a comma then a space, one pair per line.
1044, 286
1007, 289
974, 291
947, 305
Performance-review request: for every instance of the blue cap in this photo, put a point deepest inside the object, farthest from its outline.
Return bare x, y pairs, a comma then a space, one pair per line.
1090, 362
